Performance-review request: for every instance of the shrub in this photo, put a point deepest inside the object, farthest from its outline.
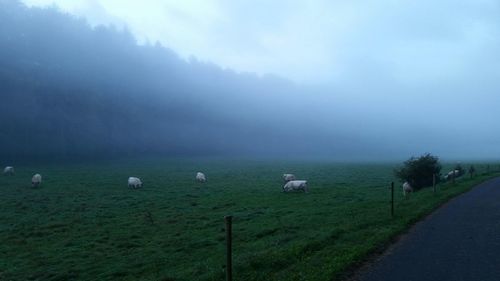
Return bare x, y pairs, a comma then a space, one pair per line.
418, 171
461, 171
472, 170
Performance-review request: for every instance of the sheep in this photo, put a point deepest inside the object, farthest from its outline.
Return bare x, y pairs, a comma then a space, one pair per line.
9, 170
454, 173
134, 182
200, 177
296, 185
36, 180
288, 177
407, 188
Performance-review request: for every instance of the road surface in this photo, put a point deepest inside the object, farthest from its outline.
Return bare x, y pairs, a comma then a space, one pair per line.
459, 241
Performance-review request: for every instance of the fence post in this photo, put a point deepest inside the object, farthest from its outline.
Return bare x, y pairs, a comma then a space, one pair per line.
392, 199
229, 263
434, 182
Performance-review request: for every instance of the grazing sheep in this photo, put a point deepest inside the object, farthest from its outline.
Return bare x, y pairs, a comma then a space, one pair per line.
454, 173
200, 177
407, 188
134, 182
288, 177
9, 170
36, 180
296, 185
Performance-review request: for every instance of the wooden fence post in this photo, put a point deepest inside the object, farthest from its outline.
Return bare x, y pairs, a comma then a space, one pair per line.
229, 262
392, 199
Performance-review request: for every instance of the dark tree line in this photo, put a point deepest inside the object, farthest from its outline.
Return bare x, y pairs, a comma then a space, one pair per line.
68, 90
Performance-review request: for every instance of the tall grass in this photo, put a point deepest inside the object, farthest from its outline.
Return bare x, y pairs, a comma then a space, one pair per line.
83, 223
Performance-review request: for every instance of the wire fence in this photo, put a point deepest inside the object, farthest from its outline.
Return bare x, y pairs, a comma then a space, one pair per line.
437, 183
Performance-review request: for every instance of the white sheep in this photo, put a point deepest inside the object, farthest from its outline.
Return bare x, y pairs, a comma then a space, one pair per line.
452, 174
36, 180
9, 170
296, 185
200, 177
288, 177
134, 182
407, 188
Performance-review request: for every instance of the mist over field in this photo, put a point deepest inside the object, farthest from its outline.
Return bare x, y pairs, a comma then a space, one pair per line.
142, 140
343, 82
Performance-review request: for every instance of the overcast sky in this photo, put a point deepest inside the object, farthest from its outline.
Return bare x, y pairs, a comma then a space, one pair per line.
316, 41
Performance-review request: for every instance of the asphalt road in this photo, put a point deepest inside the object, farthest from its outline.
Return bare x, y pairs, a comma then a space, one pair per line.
460, 241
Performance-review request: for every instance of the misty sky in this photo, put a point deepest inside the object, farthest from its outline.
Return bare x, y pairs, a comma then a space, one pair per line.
407, 67
316, 41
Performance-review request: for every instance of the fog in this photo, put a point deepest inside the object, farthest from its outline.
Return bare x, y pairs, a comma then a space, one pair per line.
353, 81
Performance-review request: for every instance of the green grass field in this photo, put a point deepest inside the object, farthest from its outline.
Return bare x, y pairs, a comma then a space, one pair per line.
84, 223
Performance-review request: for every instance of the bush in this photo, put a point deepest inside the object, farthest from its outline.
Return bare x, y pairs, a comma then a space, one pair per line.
472, 170
461, 171
419, 171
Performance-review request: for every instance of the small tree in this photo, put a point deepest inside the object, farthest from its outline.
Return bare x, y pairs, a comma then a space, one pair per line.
461, 171
419, 171
472, 170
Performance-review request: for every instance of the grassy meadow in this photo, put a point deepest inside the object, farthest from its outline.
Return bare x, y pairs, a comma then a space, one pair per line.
84, 223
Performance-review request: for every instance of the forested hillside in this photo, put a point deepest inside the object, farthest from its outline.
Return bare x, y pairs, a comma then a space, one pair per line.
70, 90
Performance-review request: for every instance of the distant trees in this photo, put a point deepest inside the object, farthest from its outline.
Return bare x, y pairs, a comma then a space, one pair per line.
70, 90
419, 171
